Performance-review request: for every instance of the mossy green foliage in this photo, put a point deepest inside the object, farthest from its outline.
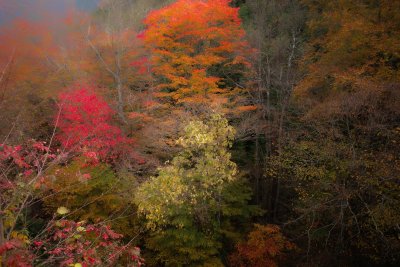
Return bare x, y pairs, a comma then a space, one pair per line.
93, 193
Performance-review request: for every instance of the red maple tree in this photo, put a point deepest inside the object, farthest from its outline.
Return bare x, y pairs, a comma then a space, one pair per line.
85, 124
68, 242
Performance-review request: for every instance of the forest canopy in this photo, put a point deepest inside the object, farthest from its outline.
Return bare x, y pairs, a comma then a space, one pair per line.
200, 133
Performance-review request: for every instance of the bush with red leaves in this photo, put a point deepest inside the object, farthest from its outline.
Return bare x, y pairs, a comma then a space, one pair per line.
85, 124
68, 242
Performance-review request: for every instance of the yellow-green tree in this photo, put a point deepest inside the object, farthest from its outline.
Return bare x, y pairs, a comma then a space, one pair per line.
190, 205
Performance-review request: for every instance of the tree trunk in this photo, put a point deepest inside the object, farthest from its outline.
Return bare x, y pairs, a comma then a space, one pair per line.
2, 239
120, 103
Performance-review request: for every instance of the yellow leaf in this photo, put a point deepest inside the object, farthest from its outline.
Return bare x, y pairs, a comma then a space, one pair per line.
62, 210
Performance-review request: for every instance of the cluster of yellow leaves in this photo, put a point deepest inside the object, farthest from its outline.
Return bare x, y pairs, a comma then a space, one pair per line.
197, 175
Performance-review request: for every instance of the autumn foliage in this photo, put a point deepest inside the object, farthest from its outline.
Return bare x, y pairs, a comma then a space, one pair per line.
28, 160
196, 47
266, 246
68, 242
85, 123
282, 112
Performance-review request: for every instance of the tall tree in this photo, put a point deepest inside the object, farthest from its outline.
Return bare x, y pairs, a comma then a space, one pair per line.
197, 51
194, 201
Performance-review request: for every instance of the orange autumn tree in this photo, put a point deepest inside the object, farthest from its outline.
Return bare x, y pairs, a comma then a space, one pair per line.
265, 246
197, 51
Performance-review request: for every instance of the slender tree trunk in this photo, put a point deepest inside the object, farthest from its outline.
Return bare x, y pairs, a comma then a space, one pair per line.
116, 74
1, 230
4, 76
120, 103
2, 238
257, 171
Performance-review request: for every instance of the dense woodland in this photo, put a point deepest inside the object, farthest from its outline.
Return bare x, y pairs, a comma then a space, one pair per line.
243, 133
